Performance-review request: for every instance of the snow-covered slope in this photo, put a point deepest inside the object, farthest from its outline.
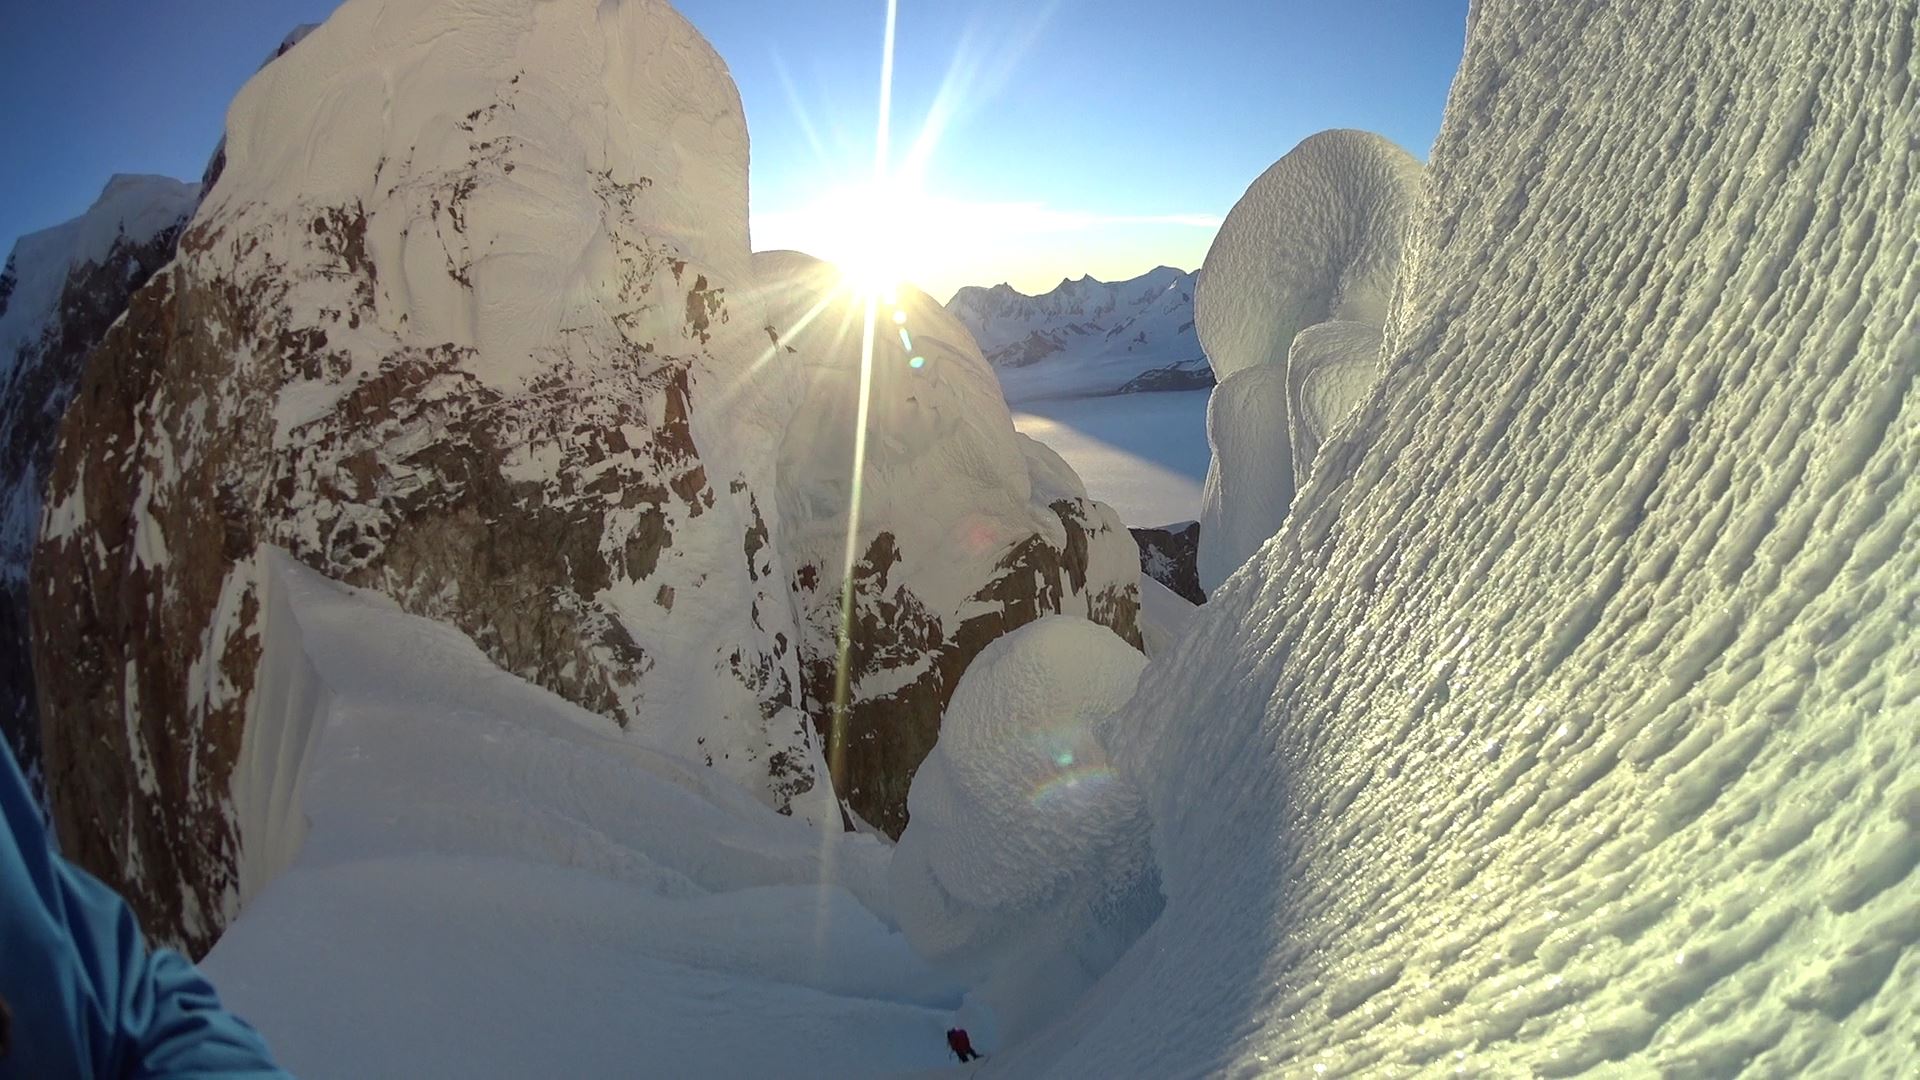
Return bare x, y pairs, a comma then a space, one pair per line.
966, 531
1088, 337
496, 882
463, 319
61, 289
1289, 307
1572, 722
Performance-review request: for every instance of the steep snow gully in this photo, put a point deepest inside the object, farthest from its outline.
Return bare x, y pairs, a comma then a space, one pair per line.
1567, 723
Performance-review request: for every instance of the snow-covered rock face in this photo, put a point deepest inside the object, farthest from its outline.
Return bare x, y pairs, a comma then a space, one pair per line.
1026, 871
1250, 477
1294, 291
1088, 336
61, 290
967, 529
1571, 722
463, 320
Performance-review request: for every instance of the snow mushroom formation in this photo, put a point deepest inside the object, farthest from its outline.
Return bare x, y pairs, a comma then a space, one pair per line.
461, 320
61, 290
967, 529
1025, 871
1316, 239
1571, 720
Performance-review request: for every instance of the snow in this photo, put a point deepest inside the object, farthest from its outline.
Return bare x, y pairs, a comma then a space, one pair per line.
1145, 455
1289, 307
494, 882
541, 196
1165, 616
1085, 337
1316, 237
1024, 869
1250, 477
1569, 725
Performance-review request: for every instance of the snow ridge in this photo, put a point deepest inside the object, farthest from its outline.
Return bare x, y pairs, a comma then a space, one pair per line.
1571, 721
1087, 336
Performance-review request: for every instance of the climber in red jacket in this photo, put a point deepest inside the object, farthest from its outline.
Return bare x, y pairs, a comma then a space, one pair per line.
961, 1046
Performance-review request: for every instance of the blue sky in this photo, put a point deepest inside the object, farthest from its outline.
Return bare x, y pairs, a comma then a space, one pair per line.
1101, 136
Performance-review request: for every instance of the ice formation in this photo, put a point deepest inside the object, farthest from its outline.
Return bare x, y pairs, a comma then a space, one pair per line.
967, 528
1311, 250
1570, 722
61, 289
1025, 870
1250, 477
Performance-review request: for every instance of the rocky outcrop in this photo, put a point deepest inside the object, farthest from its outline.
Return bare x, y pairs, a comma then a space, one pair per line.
1193, 374
496, 347
964, 530
61, 290
477, 346
1170, 555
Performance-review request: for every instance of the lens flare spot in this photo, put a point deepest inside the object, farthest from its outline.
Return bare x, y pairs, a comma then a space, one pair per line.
1072, 785
900, 317
905, 341
917, 363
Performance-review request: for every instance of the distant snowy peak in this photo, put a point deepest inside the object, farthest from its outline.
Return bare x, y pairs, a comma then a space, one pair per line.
61, 289
1085, 336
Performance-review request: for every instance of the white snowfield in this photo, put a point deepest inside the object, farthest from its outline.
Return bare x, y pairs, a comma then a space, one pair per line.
494, 882
1570, 724
1311, 252
1025, 869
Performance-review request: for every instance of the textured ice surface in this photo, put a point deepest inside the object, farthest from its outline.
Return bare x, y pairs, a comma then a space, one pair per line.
1330, 367
1316, 237
1025, 869
496, 882
1295, 288
1571, 720
1250, 477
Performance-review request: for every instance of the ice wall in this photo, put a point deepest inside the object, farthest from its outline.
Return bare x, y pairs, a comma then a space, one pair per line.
1289, 306
1571, 721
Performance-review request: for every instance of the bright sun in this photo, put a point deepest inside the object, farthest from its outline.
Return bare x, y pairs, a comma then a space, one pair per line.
870, 233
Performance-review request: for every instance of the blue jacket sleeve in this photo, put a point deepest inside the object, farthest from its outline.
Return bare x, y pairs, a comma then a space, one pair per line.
87, 997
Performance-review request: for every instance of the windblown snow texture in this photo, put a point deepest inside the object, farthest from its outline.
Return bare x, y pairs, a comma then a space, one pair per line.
1025, 870
1315, 240
967, 529
61, 290
491, 881
1571, 720
461, 320
1088, 336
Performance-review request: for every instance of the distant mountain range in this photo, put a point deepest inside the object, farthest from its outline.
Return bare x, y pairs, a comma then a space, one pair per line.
1089, 337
